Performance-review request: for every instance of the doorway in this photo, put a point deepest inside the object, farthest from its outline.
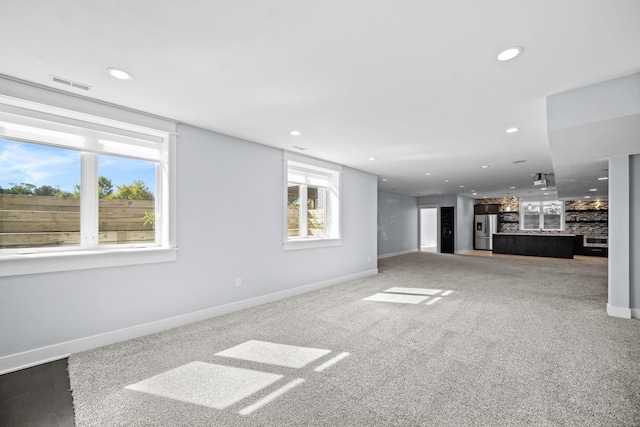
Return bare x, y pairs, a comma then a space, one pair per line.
429, 230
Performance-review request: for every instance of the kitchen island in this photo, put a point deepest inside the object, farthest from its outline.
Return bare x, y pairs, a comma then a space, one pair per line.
534, 244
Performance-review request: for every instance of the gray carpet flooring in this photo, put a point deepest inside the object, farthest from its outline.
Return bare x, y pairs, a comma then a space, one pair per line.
519, 342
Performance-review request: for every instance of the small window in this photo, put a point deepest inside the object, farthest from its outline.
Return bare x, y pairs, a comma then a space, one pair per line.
312, 203
542, 215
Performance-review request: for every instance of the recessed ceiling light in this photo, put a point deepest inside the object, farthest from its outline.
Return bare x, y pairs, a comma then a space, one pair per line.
484, 166
512, 187
428, 173
295, 133
587, 197
446, 180
384, 179
474, 194
543, 188
510, 53
546, 194
119, 74
461, 186
372, 158
512, 130
603, 178
593, 189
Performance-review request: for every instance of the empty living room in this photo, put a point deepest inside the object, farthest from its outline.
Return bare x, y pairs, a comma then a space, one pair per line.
277, 213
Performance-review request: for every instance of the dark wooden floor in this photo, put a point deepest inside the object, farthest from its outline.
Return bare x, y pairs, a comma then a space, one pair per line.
38, 396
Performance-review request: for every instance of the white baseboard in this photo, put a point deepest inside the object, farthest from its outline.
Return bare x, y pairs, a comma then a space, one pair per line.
408, 251
635, 313
623, 312
14, 362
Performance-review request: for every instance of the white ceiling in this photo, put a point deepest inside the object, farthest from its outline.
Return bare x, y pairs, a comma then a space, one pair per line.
414, 83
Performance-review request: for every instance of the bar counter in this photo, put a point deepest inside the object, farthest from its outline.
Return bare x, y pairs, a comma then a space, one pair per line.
534, 244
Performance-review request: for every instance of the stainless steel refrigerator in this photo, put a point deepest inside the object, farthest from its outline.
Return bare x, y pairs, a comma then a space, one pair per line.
485, 226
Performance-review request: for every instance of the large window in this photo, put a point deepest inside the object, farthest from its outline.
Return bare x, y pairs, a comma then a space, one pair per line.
542, 215
312, 203
81, 189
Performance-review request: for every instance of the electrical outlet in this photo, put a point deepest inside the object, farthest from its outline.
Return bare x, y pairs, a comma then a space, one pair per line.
238, 282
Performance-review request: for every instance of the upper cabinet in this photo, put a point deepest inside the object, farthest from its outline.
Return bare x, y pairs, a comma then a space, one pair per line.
486, 209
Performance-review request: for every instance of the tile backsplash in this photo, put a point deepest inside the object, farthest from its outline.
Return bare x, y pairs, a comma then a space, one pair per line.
581, 217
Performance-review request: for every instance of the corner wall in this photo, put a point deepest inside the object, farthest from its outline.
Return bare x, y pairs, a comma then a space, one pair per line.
634, 236
398, 220
624, 236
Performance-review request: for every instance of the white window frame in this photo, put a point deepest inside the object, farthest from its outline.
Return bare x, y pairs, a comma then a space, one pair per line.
305, 171
541, 204
94, 135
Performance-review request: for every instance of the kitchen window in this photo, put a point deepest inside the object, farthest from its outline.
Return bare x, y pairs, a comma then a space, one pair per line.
542, 215
80, 191
312, 194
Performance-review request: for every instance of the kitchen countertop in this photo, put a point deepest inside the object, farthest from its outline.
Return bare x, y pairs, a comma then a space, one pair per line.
535, 234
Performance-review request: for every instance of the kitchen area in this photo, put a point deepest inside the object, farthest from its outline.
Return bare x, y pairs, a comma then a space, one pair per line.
565, 228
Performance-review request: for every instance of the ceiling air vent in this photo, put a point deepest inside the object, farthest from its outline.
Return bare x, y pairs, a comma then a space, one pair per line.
68, 82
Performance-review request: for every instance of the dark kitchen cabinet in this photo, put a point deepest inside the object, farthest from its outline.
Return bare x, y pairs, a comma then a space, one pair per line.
544, 245
578, 244
486, 209
590, 251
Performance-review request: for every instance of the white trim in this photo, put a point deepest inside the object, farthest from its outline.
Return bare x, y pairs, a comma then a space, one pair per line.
408, 251
623, 312
32, 96
635, 313
49, 262
293, 245
14, 362
310, 161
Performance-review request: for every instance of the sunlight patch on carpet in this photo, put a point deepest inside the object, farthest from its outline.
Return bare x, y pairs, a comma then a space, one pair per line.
329, 363
206, 384
397, 298
413, 291
271, 396
433, 301
290, 356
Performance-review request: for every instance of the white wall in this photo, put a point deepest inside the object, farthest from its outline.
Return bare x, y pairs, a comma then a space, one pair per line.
229, 224
464, 224
397, 224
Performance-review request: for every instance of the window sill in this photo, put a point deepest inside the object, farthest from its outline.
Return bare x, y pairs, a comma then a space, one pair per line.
16, 265
292, 245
